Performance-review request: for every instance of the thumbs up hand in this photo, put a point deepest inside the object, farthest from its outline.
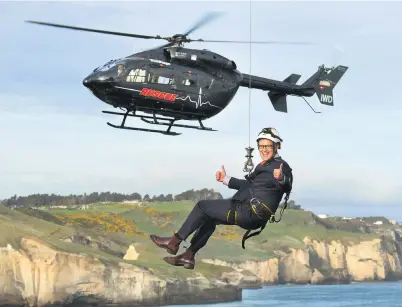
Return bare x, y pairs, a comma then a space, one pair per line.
220, 175
278, 175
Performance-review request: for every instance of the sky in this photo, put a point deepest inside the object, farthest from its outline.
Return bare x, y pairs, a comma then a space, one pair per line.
344, 160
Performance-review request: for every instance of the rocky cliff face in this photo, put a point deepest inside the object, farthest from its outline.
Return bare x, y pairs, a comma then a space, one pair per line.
39, 275
328, 262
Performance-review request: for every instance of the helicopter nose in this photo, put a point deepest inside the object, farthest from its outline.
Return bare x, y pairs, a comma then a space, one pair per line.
88, 82
97, 80
98, 83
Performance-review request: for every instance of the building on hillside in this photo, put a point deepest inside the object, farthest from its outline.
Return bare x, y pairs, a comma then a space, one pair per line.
58, 207
322, 216
378, 223
135, 201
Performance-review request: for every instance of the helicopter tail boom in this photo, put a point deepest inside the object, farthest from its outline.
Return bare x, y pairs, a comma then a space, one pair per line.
321, 83
277, 89
278, 99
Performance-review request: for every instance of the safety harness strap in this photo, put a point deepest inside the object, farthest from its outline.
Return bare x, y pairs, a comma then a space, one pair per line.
231, 218
271, 219
247, 235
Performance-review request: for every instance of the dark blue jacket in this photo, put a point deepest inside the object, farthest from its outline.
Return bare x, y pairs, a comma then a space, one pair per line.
262, 184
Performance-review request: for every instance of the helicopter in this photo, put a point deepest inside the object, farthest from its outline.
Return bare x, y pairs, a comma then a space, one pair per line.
171, 82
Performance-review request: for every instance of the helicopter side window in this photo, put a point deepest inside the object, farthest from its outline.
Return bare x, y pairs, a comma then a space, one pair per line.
137, 76
189, 80
161, 75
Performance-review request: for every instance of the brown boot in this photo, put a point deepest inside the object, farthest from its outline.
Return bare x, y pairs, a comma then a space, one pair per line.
171, 244
186, 259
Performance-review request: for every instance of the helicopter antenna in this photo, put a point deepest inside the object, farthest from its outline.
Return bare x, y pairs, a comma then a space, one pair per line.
249, 166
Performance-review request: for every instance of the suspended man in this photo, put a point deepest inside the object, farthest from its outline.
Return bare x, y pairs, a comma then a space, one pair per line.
257, 198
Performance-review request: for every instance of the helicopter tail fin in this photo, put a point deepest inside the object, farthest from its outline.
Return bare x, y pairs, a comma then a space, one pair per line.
278, 99
292, 79
324, 82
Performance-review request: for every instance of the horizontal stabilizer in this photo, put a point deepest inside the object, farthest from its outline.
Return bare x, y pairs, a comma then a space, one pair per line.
278, 101
292, 79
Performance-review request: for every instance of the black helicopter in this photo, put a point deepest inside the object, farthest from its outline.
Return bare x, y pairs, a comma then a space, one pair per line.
189, 84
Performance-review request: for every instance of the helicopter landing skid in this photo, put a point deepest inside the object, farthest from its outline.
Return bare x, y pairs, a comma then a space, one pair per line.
154, 121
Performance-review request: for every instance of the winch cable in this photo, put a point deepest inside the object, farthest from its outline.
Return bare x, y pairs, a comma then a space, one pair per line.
249, 86
249, 166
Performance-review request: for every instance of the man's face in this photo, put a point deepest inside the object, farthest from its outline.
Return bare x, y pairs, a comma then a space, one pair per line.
266, 149
120, 69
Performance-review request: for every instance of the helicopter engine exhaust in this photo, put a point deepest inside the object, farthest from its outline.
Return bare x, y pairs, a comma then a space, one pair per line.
197, 57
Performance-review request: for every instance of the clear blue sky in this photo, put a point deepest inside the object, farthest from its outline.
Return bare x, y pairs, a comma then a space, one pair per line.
345, 160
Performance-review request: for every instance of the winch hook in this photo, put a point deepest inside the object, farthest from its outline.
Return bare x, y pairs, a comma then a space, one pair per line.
249, 165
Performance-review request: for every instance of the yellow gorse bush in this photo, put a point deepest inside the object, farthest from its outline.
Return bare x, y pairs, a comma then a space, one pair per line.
108, 222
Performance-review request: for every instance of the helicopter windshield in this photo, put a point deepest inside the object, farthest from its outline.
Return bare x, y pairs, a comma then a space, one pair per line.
107, 66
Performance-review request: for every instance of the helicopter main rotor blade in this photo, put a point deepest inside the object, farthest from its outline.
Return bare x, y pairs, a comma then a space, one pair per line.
94, 30
253, 42
204, 20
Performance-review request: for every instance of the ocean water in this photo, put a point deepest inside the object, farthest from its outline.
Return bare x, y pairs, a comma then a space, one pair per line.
384, 294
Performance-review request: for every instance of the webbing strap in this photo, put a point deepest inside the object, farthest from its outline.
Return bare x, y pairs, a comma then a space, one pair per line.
247, 235
272, 219
231, 217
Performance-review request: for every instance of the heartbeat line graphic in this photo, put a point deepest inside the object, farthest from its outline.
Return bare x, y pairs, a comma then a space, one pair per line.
199, 102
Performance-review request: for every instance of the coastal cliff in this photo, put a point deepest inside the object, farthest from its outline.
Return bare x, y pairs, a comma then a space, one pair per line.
103, 255
321, 262
38, 275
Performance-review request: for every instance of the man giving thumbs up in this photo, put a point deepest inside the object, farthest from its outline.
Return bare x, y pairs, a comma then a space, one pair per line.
278, 175
257, 198
220, 175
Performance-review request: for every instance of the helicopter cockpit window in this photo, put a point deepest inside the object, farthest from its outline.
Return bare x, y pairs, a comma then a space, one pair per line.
137, 76
107, 66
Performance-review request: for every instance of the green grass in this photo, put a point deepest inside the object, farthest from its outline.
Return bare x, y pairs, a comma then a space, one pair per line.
109, 207
181, 206
15, 225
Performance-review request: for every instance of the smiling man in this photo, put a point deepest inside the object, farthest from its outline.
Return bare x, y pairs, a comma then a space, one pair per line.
256, 200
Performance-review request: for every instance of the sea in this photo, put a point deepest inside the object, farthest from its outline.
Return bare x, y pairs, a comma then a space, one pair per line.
384, 294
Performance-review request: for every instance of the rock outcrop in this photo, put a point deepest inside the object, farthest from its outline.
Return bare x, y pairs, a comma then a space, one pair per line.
37, 275
328, 262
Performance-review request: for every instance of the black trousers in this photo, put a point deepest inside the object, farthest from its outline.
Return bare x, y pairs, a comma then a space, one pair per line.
206, 214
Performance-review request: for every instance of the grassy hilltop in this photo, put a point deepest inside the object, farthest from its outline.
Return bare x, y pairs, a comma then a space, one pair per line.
107, 230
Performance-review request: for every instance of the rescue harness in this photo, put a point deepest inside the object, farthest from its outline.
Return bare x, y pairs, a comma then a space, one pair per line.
256, 206
271, 218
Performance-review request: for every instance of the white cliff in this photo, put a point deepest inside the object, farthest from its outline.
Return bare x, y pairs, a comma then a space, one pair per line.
38, 275
328, 262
